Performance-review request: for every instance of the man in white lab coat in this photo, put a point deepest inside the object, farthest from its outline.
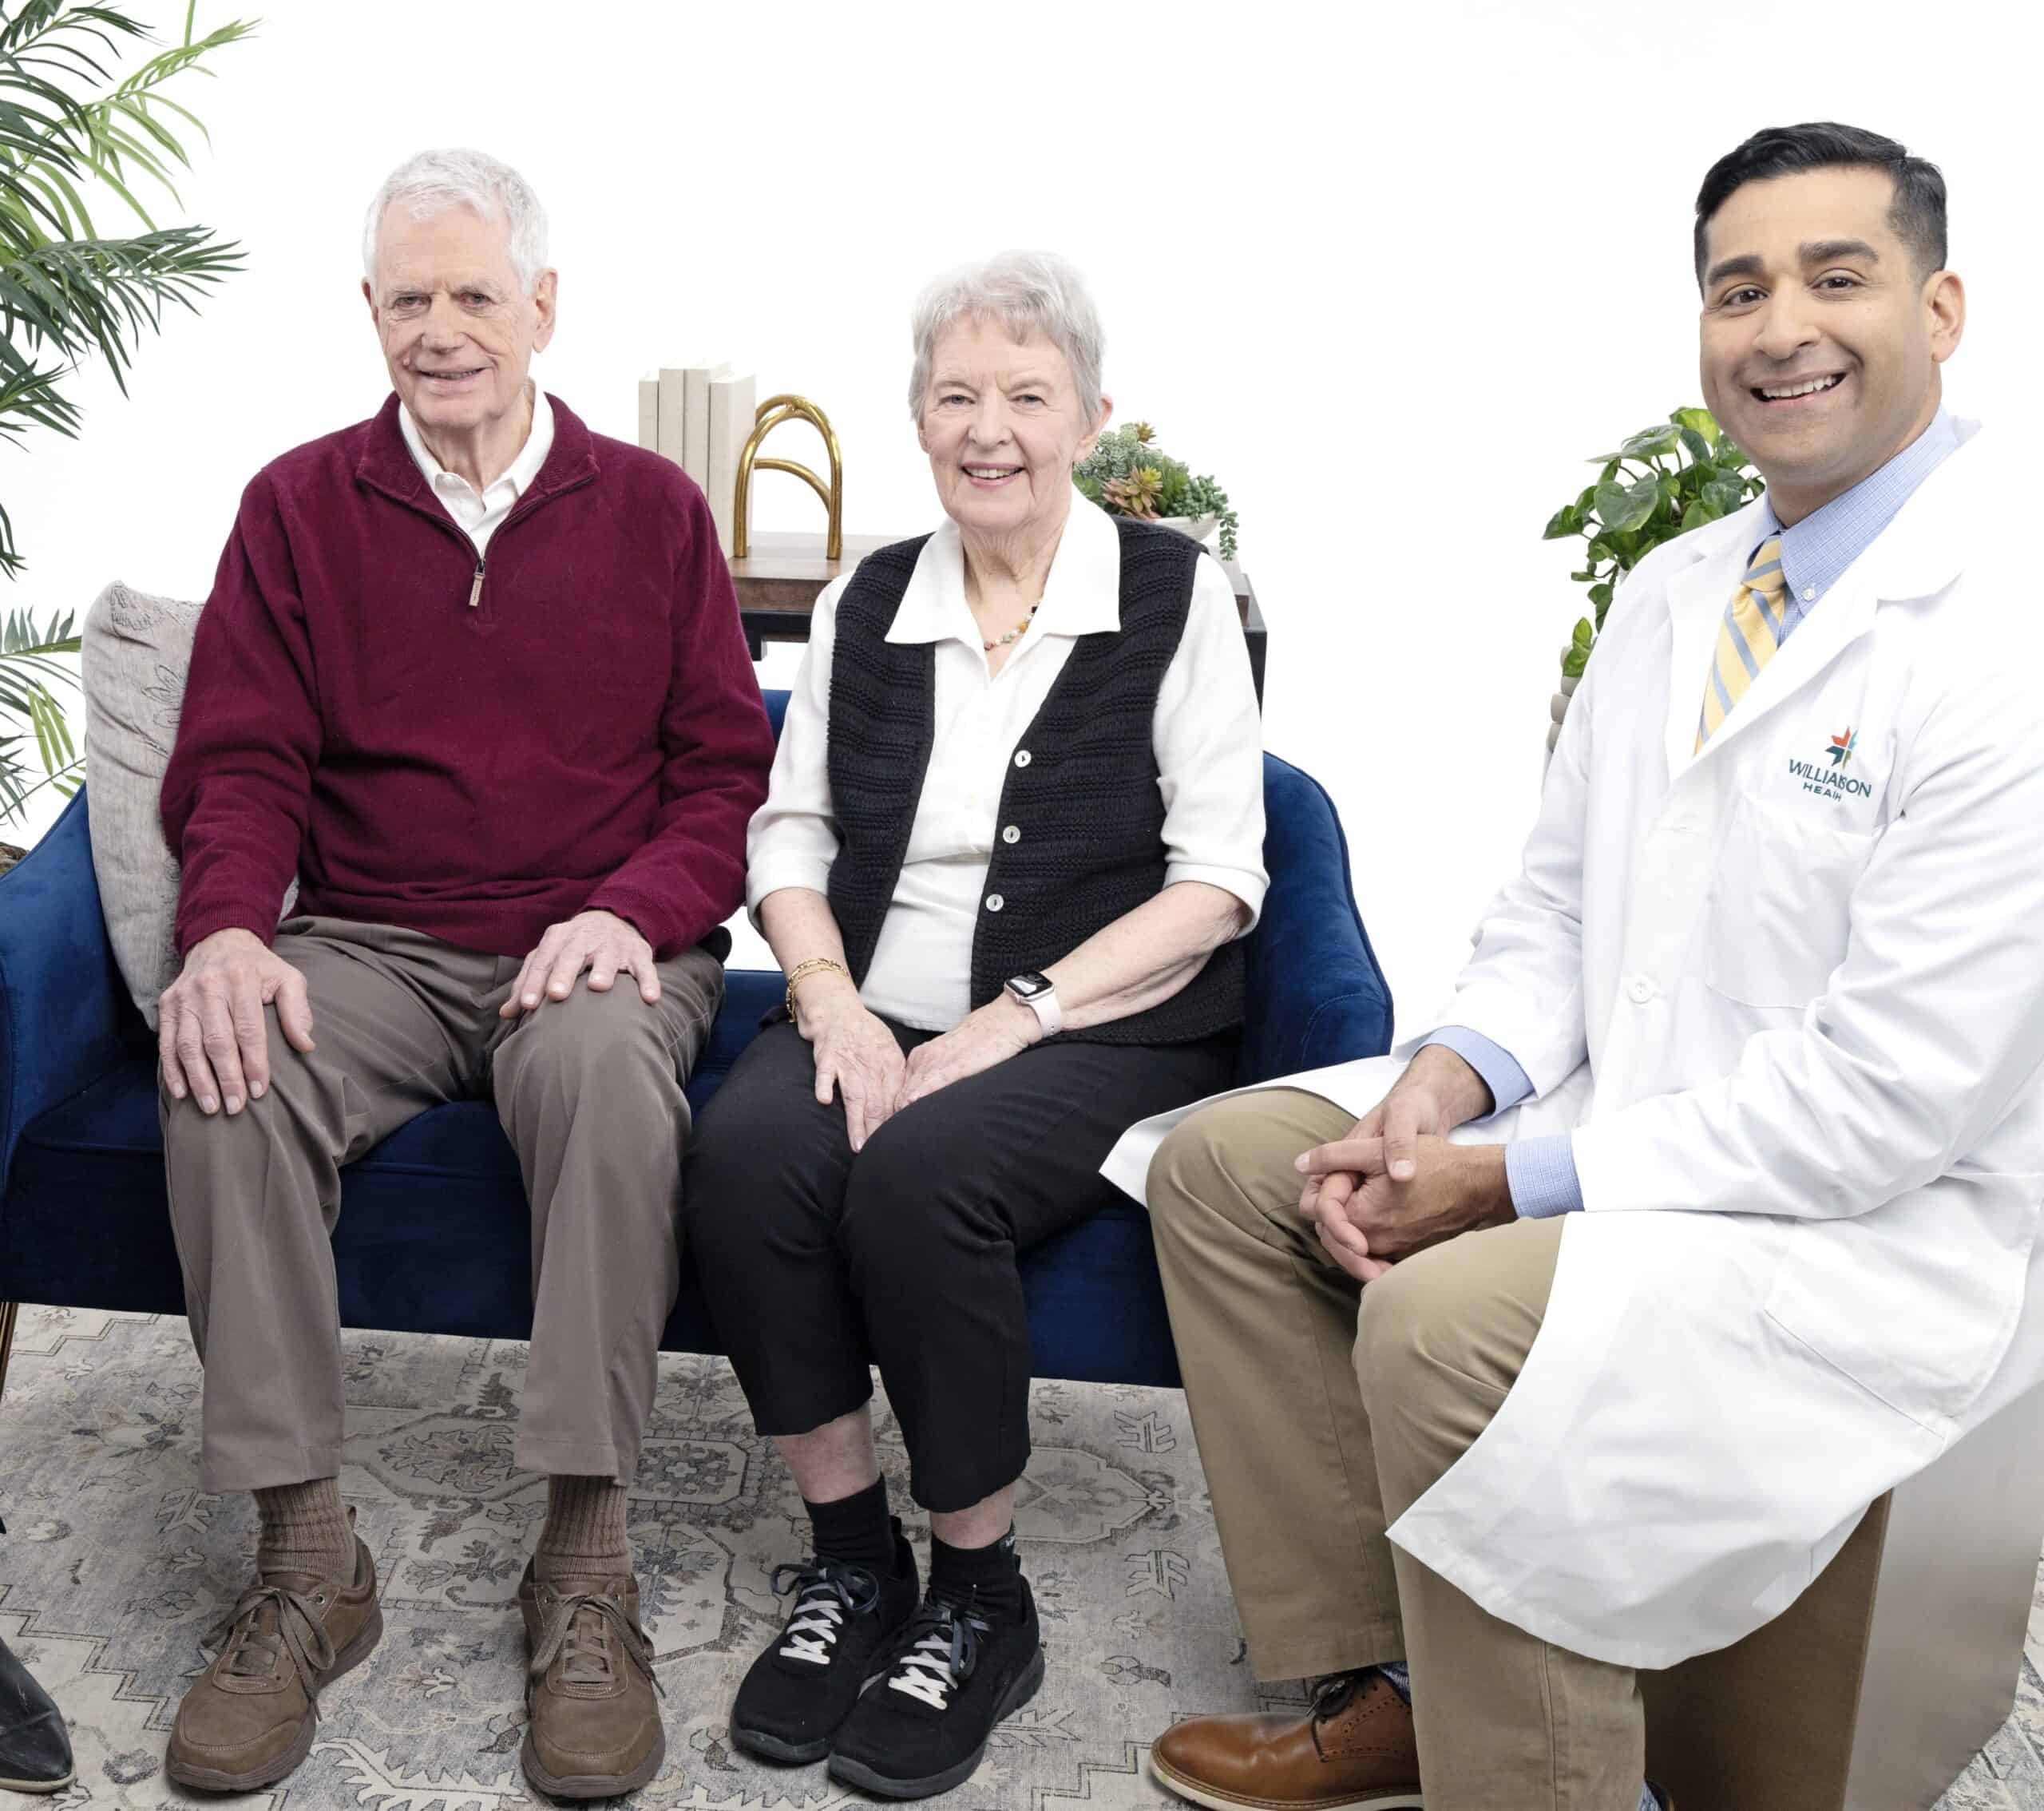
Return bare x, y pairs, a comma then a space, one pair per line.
1766, 1005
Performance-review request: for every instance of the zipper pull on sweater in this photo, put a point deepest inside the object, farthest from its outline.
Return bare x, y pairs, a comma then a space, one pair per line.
475, 590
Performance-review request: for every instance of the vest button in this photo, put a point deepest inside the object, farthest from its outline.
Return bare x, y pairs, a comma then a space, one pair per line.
1023, 757
1012, 834
995, 902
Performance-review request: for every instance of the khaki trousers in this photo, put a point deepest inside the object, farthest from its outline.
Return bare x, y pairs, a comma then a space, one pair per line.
589, 1092
1323, 1410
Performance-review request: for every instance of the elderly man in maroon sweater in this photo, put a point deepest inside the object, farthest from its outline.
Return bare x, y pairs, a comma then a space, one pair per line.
474, 675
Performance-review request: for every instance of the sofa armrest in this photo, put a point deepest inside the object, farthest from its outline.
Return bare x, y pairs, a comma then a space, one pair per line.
65, 1012
1315, 996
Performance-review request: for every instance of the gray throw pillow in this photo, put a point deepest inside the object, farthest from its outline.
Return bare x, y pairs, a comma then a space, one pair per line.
135, 651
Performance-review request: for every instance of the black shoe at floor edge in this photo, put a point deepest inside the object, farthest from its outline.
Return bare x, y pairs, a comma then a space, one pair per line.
840, 1633
955, 1674
35, 1747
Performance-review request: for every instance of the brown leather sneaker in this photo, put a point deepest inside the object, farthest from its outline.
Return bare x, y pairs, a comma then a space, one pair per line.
1353, 1751
593, 1727
249, 1718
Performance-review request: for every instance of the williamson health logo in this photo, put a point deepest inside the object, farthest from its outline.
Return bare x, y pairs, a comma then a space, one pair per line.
1833, 782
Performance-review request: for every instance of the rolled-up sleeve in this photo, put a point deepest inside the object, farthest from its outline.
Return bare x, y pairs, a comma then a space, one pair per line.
793, 838
1208, 744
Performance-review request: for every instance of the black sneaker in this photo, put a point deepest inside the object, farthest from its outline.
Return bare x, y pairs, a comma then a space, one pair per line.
839, 1635
955, 1674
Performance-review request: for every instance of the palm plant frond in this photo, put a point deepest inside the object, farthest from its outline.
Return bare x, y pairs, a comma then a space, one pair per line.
73, 125
22, 639
29, 397
84, 296
14, 794
110, 138
30, 670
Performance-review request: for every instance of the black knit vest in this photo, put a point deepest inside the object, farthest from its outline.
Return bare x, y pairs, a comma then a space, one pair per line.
1081, 795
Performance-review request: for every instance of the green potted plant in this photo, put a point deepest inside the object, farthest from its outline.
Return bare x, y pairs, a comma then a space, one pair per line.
68, 294
1127, 474
1661, 482
31, 667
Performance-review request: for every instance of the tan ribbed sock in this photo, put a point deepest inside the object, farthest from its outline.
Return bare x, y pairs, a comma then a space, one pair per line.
584, 1532
306, 1529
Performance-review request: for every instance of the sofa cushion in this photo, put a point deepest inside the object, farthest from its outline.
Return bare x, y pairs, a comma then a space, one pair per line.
135, 651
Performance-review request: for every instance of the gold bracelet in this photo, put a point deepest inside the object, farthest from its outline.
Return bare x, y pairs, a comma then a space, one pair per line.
802, 971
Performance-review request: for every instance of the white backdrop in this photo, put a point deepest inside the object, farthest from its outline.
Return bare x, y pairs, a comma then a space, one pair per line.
1389, 273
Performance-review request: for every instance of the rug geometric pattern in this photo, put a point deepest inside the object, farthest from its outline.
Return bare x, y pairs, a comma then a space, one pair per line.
117, 1570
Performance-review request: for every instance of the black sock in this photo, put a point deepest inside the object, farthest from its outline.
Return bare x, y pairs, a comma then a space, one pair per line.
855, 1529
988, 1578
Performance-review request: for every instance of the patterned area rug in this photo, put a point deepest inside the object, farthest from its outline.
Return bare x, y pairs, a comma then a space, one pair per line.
117, 1570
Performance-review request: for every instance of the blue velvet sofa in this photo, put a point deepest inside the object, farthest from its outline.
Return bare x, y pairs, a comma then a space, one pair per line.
432, 1236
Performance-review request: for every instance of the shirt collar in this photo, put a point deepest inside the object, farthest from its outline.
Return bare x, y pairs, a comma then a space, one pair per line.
1815, 552
519, 474
1082, 593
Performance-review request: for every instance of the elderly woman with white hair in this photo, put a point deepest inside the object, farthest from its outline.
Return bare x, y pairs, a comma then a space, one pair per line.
1014, 828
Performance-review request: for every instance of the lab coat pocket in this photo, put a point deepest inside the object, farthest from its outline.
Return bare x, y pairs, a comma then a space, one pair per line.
1917, 1301
1780, 905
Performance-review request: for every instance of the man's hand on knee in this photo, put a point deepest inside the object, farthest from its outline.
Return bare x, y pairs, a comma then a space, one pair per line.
1367, 1219
601, 942
211, 1041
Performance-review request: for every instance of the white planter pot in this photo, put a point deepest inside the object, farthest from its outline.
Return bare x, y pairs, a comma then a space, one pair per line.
1200, 528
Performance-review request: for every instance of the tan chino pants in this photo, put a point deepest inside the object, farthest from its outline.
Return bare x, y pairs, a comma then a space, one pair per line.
589, 1092
1323, 1410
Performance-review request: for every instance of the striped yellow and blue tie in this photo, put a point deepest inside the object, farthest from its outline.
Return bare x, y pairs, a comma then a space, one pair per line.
1751, 633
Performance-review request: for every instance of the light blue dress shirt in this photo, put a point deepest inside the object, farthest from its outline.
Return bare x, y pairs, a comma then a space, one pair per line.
1815, 554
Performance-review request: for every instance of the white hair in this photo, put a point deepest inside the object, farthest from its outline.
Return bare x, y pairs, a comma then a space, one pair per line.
432, 182
1023, 290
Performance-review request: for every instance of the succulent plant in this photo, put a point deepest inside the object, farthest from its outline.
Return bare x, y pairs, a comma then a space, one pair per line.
1136, 493
1128, 474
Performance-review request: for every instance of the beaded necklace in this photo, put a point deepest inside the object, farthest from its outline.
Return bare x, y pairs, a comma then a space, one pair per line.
1004, 641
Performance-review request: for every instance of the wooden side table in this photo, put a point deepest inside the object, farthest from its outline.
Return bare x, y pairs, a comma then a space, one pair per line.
779, 579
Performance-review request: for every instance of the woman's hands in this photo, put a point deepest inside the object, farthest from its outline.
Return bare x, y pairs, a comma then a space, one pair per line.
856, 1054
1001, 1028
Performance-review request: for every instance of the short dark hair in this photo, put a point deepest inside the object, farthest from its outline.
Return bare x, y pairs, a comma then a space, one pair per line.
1917, 213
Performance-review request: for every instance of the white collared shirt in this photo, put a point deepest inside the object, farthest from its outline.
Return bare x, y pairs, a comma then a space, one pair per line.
1207, 737
475, 514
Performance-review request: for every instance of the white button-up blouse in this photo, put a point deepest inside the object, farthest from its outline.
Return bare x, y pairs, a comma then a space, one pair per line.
1207, 738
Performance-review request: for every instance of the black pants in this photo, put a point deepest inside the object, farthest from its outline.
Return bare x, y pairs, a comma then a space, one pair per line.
819, 1264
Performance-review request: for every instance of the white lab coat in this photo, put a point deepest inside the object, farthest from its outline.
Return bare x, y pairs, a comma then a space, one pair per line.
1793, 1011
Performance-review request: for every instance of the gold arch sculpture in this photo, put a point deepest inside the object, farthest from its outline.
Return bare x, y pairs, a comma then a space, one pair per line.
769, 416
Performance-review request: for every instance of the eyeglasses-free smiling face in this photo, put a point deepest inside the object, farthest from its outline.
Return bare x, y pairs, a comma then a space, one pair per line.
1002, 426
1820, 340
458, 330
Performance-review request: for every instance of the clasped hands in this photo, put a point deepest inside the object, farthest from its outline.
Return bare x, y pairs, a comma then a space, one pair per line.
1395, 1185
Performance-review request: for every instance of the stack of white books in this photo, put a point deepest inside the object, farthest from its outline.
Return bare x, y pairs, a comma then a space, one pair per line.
700, 416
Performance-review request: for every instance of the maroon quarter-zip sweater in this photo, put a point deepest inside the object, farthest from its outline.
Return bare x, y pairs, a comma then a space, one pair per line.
473, 750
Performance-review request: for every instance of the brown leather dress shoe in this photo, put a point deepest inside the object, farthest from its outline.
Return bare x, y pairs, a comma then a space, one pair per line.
248, 1719
593, 1727
1352, 1751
